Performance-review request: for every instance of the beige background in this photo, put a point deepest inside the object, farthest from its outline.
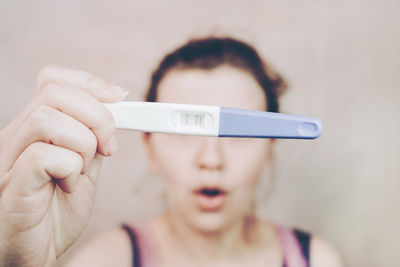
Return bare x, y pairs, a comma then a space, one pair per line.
342, 61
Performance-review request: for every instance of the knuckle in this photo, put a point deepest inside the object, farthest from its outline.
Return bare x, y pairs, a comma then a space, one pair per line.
76, 163
92, 144
105, 124
96, 80
45, 74
108, 118
50, 89
67, 164
35, 153
40, 118
110, 122
89, 146
109, 129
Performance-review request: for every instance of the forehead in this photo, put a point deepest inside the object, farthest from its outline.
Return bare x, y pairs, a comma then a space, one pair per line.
222, 86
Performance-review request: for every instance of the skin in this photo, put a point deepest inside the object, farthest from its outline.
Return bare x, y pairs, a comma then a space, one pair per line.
186, 235
234, 165
190, 162
59, 138
50, 157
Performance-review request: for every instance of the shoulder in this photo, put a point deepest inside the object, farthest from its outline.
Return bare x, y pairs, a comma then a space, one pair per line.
320, 252
112, 248
323, 254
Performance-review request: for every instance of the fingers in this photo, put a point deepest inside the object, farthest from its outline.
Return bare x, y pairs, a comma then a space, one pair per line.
95, 86
76, 93
49, 118
39, 164
79, 94
57, 141
84, 108
29, 193
98, 87
49, 125
93, 170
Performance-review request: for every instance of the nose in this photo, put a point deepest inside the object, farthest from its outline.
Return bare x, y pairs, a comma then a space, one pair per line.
210, 154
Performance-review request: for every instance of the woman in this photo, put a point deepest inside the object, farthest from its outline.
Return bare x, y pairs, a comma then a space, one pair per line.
210, 183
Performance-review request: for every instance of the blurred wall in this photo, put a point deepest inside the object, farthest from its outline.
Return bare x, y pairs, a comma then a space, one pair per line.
342, 61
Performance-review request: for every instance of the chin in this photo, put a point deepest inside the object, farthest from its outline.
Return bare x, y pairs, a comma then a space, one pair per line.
210, 223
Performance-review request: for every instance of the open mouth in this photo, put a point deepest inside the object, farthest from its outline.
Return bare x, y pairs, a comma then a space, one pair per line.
211, 192
210, 199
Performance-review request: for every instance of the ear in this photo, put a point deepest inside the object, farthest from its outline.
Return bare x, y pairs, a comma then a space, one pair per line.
146, 139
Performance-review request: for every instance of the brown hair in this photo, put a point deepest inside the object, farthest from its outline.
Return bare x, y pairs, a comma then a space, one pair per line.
211, 52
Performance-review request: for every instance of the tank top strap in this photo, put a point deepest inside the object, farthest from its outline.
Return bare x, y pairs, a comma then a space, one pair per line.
295, 247
304, 240
144, 253
136, 257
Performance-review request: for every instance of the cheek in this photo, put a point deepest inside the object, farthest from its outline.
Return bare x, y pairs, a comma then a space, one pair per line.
173, 161
248, 159
248, 162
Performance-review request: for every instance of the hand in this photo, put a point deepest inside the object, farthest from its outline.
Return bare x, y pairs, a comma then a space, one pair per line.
50, 158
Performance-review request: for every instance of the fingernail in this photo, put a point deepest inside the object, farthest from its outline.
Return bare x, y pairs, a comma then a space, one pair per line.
119, 91
112, 145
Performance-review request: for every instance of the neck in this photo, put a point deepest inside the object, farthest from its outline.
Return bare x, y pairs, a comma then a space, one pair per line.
215, 246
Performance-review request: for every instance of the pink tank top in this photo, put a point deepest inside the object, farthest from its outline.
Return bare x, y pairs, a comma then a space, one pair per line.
295, 247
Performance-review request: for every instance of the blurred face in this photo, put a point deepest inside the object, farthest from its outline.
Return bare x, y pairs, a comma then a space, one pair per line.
210, 182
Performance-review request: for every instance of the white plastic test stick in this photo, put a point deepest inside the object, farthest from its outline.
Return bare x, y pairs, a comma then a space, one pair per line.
212, 121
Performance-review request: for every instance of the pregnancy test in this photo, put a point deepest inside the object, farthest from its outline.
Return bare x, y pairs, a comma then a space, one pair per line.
211, 121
